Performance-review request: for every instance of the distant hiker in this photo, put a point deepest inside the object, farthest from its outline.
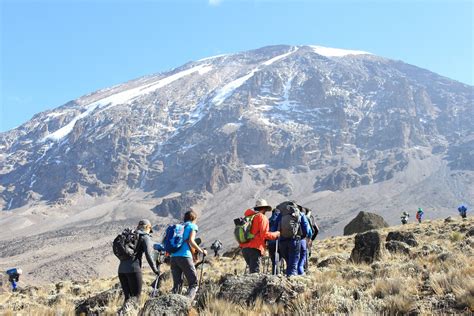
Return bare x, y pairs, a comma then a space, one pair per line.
307, 245
129, 247
216, 246
14, 278
253, 244
462, 211
272, 244
404, 217
294, 229
419, 214
182, 257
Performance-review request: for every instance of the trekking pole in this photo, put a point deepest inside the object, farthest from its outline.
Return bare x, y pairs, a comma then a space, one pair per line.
202, 269
277, 258
155, 286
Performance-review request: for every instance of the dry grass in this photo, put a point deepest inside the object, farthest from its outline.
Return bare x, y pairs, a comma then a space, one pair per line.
437, 269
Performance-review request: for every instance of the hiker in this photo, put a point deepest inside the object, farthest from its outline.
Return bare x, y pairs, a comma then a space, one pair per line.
271, 244
307, 245
182, 259
404, 217
216, 246
419, 214
254, 249
130, 270
294, 230
462, 211
14, 277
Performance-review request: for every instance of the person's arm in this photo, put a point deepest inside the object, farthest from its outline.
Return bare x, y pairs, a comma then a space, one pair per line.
306, 226
192, 243
148, 249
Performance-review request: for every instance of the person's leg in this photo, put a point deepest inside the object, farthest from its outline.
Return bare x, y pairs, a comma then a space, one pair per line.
189, 270
302, 259
283, 247
252, 257
177, 274
135, 281
125, 286
293, 257
271, 252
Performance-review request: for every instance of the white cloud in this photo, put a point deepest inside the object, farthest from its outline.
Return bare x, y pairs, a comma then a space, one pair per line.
215, 2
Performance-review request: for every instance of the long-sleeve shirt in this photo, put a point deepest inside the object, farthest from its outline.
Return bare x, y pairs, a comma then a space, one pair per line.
145, 245
260, 229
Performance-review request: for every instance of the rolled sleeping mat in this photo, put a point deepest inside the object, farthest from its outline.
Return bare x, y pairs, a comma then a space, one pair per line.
14, 271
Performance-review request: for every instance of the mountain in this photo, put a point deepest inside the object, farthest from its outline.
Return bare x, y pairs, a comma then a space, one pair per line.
340, 131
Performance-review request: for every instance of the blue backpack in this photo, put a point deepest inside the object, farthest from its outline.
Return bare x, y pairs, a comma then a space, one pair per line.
174, 237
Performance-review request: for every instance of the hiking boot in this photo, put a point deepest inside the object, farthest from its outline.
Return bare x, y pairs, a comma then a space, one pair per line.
129, 307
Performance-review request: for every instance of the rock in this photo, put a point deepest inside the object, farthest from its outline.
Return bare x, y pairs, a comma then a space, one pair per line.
406, 237
245, 289
169, 304
363, 222
395, 246
366, 248
449, 219
96, 305
444, 256
470, 232
430, 249
332, 260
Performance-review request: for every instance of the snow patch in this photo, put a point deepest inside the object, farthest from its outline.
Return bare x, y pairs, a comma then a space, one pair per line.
229, 88
336, 52
258, 166
213, 57
125, 97
230, 128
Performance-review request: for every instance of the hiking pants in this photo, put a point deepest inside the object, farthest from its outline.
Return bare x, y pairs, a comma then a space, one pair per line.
131, 284
252, 257
290, 251
303, 254
180, 266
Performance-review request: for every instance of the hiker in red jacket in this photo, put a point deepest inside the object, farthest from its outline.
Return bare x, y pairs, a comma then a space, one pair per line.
255, 248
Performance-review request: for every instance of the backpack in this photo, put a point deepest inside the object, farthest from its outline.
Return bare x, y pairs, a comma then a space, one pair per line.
174, 237
125, 244
290, 223
243, 225
216, 245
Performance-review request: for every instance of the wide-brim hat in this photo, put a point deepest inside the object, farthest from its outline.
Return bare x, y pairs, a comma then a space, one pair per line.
261, 203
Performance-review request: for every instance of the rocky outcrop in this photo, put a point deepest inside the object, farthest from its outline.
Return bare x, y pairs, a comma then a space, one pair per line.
332, 260
367, 247
246, 289
97, 305
363, 222
397, 247
405, 237
170, 304
177, 206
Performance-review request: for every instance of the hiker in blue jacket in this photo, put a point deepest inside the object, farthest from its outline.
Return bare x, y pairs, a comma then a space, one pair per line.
294, 228
462, 211
271, 244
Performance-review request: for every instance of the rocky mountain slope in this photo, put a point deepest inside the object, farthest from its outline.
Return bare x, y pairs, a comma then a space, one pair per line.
428, 272
340, 131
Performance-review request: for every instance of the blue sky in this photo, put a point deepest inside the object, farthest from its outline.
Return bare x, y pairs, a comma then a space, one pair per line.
55, 51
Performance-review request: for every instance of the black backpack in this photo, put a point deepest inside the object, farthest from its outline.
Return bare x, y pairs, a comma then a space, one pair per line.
290, 223
125, 244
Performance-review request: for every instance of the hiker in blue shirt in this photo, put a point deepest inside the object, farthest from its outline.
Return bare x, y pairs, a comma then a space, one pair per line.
294, 228
182, 260
271, 244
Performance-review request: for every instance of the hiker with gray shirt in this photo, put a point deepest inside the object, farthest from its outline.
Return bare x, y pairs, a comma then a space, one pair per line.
130, 270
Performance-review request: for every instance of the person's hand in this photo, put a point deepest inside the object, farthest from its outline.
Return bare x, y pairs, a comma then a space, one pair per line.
204, 252
277, 234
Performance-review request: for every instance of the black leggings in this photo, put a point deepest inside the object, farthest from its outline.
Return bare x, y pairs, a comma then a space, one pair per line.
131, 284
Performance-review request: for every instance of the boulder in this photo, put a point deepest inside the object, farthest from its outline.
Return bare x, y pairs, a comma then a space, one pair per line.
366, 247
97, 305
169, 304
449, 219
363, 222
395, 246
245, 289
470, 232
406, 237
332, 260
